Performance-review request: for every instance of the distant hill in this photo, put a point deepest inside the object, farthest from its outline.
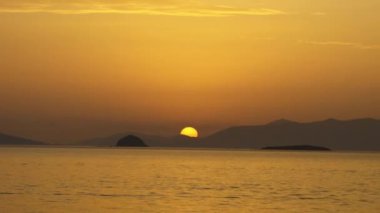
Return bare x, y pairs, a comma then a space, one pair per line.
359, 134
14, 140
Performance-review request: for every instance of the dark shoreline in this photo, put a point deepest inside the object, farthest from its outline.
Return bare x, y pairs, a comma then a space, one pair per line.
297, 148
53, 146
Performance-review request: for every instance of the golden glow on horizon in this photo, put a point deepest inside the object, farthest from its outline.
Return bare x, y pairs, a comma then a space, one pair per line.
86, 68
189, 132
144, 7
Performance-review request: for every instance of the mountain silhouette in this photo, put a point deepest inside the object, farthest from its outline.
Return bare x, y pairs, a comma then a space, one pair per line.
280, 122
359, 134
14, 140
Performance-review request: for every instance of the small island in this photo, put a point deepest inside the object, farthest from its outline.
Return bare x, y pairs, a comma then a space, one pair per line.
131, 141
298, 148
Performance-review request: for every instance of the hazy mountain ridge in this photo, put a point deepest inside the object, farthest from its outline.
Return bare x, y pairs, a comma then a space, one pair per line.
6, 139
358, 134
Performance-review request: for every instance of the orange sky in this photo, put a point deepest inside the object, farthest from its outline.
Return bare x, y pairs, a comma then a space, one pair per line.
75, 69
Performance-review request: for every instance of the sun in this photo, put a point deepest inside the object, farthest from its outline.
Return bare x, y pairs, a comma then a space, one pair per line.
189, 132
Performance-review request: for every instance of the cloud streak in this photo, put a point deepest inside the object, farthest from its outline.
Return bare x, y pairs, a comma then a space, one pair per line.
343, 44
146, 7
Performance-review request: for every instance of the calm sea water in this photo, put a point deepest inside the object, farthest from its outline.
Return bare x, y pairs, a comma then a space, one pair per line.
154, 180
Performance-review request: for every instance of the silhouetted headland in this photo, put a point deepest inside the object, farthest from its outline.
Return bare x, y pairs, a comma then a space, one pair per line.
131, 141
14, 140
358, 134
298, 147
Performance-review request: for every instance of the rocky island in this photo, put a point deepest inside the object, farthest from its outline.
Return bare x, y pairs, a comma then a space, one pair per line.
131, 141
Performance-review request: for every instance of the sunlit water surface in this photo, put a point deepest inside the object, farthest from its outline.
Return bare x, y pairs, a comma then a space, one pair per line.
154, 180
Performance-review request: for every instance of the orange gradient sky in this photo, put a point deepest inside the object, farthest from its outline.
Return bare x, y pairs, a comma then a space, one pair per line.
75, 69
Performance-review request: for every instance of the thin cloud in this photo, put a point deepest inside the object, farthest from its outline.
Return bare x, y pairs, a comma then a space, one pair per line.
170, 8
343, 44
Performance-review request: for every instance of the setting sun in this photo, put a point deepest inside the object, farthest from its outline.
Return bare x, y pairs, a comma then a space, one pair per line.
102, 100
189, 132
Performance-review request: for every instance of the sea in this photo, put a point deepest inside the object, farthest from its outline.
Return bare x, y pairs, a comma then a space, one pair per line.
73, 179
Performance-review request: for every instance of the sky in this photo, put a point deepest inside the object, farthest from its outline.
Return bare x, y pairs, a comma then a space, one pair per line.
71, 70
